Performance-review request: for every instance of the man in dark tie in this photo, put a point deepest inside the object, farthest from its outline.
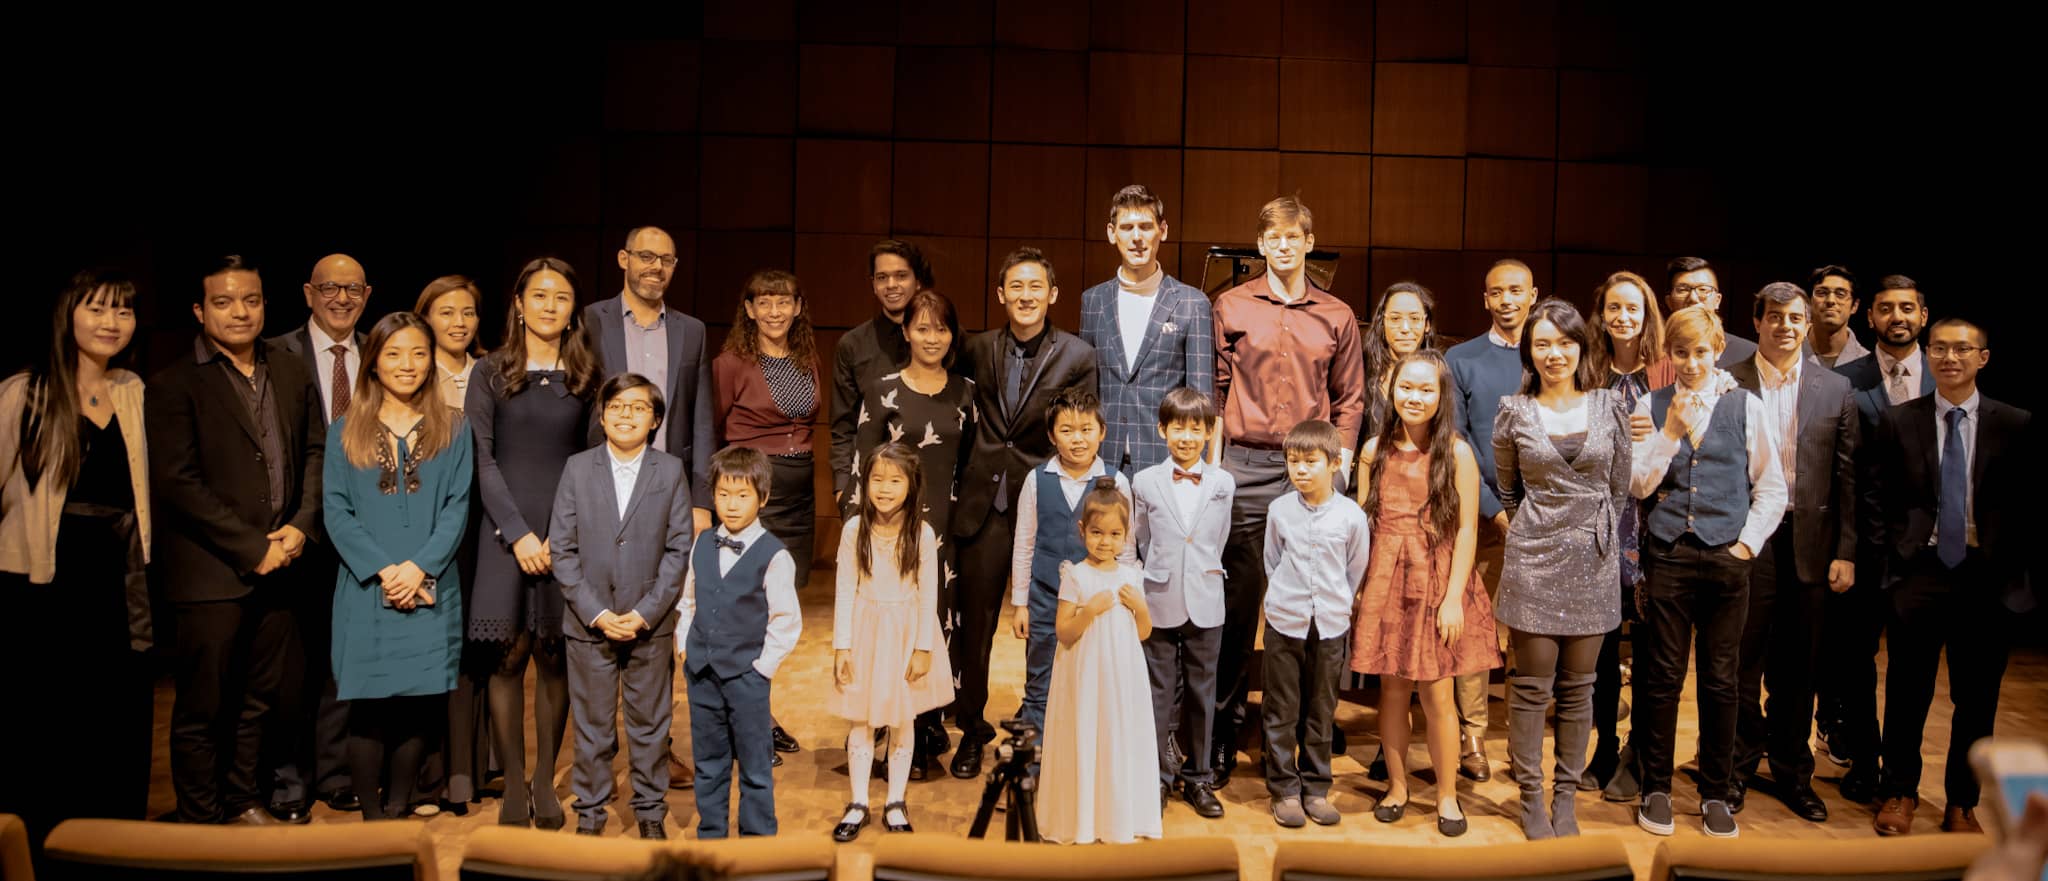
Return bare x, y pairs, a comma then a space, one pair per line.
1812, 552
1949, 502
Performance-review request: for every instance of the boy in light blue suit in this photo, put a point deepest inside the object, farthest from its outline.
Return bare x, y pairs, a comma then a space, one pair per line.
1182, 521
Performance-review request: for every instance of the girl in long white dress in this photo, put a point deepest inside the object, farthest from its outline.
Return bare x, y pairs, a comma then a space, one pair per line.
1100, 764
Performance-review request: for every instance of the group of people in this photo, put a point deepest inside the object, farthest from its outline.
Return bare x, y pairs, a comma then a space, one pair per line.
358, 543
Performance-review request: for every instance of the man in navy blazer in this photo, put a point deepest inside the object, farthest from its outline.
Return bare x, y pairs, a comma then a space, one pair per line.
620, 536
1951, 506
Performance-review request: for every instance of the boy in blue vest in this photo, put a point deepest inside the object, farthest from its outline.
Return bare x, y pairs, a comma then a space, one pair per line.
1049, 533
745, 583
1714, 492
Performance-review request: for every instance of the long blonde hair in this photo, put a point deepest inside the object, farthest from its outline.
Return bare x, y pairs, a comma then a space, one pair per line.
363, 429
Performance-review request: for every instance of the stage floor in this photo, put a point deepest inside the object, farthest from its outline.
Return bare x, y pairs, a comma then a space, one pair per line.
811, 786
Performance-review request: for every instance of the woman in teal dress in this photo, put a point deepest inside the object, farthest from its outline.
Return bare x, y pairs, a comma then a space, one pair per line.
397, 503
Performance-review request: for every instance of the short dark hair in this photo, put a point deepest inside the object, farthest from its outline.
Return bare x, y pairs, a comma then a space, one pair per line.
1510, 261
1073, 399
933, 303
1983, 336
1184, 404
1568, 321
742, 463
919, 266
1315, 436
218, 265
1780, 292
1682, 265
1136, 196
1813, 280
617, 385
1896, 282
1027, 254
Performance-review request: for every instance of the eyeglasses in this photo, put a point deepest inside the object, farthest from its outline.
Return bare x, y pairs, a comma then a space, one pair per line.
622, 408
1833, 294
1276, 240
329, 290
1686, 290
1940, 351
667, 261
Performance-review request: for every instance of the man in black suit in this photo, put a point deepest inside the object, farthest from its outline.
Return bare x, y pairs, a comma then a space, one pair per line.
309, 759
1812, 552
235, 441
1894, 374
1016, 370
1950, 502
1694, 283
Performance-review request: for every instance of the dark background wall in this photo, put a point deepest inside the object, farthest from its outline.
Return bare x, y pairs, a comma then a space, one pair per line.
1429, 137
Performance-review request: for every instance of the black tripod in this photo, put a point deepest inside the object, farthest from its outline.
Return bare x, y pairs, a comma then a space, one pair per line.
1012, 775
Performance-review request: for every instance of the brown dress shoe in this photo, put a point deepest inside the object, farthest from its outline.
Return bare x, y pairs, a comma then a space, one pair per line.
1472, 762
1895, 815
679, 774
1957, 819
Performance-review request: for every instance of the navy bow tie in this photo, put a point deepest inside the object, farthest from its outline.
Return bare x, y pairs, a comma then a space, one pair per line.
738, 547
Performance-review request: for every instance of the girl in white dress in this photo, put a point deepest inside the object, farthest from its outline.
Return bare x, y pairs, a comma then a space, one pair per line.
1100, 764
888, 663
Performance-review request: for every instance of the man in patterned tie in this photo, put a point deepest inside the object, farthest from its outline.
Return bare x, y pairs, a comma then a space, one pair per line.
1952, 478
331, 348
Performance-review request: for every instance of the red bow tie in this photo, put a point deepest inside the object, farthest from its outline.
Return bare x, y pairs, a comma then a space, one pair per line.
1195, 476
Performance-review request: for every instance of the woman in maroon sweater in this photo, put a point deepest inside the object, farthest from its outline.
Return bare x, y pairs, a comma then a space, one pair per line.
766, 397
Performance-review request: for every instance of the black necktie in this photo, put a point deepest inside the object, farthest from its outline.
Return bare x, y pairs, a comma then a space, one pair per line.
737, 546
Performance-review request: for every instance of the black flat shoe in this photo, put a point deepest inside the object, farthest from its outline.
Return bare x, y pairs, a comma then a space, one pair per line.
1377, 771
901, 808
294, 813
846, 832
1450, 828
1389, 813
784, 743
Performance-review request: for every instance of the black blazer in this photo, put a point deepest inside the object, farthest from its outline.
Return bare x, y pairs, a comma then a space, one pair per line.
1867, 379
1904, 487
300, 343
209, 480
1823, 501
1007, 443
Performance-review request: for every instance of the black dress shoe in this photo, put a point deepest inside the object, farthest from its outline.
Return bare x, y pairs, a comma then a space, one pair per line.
1377, 771
784, 743
651, 830
774, 760
294, 813
846, 832
1738, 792
967, 761
1860, 784
1224, 760
1202, 798
1165, 796
550, 823
592, 831
900, 808
1805, 804
253, 817
343, 800
920, 766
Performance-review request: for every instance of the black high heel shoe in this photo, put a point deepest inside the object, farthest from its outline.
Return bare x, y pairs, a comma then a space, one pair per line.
901, 808
845, 832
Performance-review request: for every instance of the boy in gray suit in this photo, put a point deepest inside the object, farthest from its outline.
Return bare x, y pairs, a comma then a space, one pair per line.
621, 542
1182, 522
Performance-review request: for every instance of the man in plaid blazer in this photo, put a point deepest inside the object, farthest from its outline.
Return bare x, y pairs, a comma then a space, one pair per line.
1151, 334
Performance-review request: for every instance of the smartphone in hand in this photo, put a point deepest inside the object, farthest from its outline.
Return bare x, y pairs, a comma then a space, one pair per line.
2010, 769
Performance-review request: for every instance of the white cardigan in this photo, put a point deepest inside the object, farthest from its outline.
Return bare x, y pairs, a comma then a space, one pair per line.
28, 520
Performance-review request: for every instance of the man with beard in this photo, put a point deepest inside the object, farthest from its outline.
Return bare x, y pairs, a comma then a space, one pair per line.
1834, 302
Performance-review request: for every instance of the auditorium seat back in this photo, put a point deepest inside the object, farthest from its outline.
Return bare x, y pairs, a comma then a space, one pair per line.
121, 850
1580, 858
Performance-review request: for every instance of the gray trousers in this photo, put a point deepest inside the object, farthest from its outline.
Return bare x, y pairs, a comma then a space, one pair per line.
597, 670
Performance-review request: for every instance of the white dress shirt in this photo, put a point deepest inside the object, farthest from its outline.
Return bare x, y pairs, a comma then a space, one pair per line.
323, 364
624, 473
1187, 494
1968, 428
785, 617
1025, 545
1780, 393
1767, 496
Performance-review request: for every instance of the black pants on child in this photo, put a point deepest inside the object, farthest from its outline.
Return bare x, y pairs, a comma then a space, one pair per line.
1300, 699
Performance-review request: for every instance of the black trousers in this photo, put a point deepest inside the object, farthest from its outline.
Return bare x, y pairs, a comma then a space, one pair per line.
1261, 477
305, 744
1780, 645
1181, 664
981, 594
1852, 623
1300, 697
1935, 607
1693, 589
232, 660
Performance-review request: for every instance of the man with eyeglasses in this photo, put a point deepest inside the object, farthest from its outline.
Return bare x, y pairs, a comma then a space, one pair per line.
1951, 504
1485, 369
1834, 304
636, 332
331, 348
1694, 283
1286, 352
1898, 372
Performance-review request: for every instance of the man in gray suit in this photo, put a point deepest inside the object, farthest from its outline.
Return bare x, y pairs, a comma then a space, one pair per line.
1813, 411
621, 537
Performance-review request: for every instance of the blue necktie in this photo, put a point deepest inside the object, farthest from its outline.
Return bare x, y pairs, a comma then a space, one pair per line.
1950, 544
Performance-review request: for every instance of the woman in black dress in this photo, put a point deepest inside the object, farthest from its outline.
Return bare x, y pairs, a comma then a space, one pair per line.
931, 408
74, 534
528, 406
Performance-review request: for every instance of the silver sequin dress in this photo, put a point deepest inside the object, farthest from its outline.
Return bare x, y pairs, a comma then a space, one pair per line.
1562, 560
